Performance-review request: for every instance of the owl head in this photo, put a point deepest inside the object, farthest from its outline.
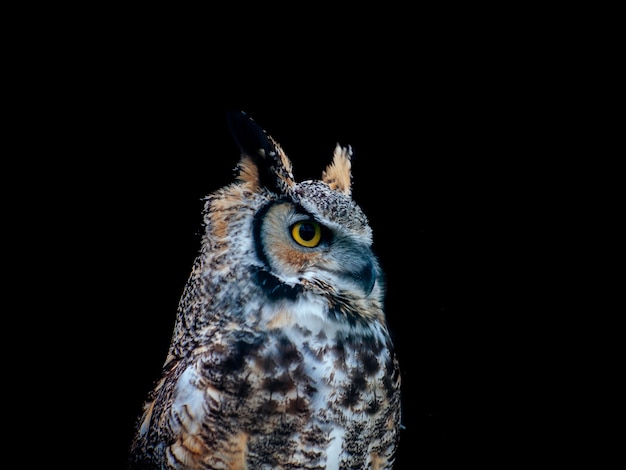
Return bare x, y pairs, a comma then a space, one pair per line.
286, 242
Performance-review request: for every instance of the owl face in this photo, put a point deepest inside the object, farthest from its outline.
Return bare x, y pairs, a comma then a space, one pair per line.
300, 241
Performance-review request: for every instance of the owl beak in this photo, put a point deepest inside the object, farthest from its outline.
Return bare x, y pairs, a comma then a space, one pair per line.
365, 274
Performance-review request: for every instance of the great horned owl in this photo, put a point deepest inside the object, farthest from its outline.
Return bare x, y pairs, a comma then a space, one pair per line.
281, 357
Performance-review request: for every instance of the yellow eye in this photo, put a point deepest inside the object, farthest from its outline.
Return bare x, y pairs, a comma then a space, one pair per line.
307, 233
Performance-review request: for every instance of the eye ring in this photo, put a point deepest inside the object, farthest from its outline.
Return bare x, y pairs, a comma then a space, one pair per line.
307, 233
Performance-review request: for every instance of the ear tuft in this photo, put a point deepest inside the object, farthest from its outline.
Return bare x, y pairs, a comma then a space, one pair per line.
338, 174
262, 158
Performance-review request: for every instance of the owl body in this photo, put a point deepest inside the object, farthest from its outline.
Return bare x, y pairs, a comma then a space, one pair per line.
280, 357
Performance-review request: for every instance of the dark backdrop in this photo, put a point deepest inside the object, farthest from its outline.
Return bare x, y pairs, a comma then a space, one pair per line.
428, 172
483, 160
442, 155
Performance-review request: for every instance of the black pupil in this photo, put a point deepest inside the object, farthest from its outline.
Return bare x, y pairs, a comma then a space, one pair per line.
307, 231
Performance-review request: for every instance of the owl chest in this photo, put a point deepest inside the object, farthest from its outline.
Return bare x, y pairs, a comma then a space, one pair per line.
290, 377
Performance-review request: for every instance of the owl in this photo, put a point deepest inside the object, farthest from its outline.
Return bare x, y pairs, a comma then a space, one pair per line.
281, 356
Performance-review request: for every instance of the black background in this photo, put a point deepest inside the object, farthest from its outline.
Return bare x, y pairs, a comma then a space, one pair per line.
429, 174
452, 146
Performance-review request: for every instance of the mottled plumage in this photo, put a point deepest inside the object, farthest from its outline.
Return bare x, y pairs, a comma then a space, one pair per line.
281, 357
